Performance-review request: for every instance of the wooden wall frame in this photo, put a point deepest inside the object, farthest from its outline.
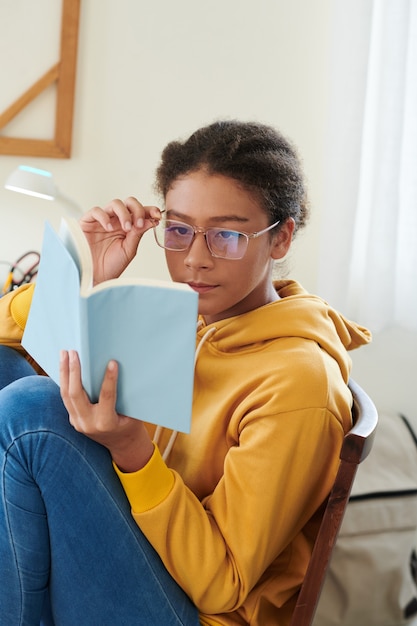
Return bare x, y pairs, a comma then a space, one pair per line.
63, 73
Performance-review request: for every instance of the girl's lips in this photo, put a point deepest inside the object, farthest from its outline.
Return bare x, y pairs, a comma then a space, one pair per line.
201, 287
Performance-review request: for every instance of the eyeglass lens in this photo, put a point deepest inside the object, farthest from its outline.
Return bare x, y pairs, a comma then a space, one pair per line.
221, 242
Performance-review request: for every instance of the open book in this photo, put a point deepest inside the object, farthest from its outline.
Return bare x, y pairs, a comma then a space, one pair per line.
147, 326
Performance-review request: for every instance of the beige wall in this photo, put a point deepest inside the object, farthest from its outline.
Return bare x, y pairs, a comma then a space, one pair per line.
149, 72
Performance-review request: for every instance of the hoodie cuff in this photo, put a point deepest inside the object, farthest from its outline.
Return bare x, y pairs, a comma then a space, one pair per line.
149, 486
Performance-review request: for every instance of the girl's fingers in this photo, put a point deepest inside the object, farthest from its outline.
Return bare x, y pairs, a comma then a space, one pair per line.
140, 213
72, 392
64, 381
94, 216
75, 385
63, 373
128, 214
108, 391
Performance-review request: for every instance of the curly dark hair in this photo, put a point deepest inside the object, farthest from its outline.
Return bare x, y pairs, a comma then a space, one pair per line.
257, 156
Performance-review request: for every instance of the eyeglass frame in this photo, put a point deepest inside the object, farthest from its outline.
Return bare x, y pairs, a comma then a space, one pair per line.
200, 229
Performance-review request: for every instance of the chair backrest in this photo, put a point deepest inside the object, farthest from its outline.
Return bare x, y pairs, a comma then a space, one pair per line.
355, 448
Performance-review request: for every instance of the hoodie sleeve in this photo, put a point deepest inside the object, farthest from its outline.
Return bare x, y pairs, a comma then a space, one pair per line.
14, 311
218, 549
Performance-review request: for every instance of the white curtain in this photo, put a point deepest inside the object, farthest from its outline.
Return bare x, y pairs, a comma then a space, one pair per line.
368, 264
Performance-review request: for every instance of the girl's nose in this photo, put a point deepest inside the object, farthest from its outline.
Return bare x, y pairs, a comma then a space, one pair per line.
198, 255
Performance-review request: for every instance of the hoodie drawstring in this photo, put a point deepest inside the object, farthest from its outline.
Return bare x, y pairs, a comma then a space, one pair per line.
174, 434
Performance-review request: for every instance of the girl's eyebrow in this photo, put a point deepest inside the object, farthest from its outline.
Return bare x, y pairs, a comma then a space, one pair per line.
216, 219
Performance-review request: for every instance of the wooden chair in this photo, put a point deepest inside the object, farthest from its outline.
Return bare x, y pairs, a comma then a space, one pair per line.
355, 448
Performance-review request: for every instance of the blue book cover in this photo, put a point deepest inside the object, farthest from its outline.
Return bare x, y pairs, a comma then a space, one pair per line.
147, 326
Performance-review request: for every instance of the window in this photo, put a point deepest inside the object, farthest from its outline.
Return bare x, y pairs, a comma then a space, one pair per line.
368, 264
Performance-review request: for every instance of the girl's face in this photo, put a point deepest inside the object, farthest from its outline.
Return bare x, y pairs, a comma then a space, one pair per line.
225, 287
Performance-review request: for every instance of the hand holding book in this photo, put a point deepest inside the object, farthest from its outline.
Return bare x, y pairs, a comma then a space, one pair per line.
127, 439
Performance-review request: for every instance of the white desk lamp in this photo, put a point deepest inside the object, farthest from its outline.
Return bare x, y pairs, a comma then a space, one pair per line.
40, 183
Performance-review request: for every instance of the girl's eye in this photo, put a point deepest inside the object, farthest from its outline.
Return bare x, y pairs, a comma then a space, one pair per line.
227, 234
180, 231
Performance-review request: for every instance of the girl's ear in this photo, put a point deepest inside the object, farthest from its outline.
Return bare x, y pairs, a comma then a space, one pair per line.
282, 241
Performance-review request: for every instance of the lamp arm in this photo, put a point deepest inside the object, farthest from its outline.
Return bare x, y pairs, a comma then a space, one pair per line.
69, 205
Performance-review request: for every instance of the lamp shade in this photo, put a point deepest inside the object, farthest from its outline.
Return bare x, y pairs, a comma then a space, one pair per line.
33, 181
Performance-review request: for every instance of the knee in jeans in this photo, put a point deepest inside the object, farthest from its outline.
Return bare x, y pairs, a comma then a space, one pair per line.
13, 365
30, 398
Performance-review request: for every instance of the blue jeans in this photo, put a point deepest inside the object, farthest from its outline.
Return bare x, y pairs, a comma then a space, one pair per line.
70, 551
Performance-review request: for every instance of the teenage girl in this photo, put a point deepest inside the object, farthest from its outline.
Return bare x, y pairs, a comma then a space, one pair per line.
107, 521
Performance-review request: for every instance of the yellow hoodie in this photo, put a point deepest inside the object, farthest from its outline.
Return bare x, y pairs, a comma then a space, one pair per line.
234, 510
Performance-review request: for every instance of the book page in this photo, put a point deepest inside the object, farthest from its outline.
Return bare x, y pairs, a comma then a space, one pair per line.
53, 323
75, 242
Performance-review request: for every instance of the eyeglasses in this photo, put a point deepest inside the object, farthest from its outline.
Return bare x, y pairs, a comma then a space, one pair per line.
221, 242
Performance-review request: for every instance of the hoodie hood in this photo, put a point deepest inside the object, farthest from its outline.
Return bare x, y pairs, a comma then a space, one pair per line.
296, 314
